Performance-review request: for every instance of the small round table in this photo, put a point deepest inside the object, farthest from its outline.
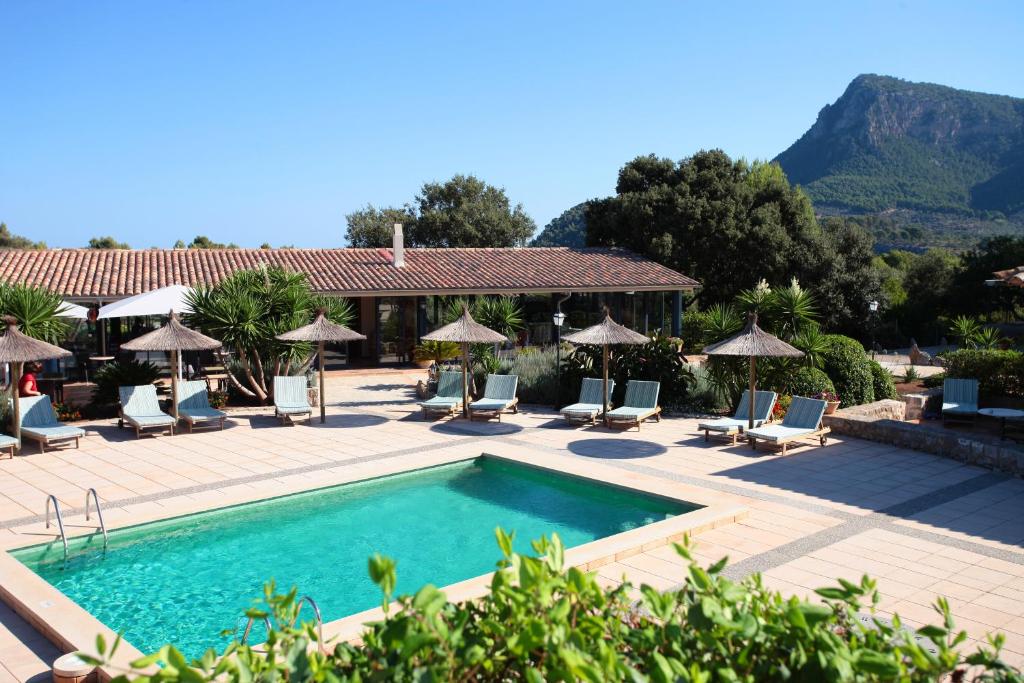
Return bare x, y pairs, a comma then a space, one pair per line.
1002, 414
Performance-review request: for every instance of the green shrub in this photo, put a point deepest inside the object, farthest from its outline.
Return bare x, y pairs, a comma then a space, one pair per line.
999, 373
541, 621
846, 364
809, 382
124, 374
537, 379
881, 382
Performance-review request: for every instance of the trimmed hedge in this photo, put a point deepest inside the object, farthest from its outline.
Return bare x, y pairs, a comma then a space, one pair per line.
846, 364
999, 373
881, 382
809, 382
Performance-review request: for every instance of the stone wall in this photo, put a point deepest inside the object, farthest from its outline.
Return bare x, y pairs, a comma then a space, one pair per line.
882, 421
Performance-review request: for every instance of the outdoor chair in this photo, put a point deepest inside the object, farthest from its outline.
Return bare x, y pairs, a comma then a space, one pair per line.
732, 427
291, 398
141, 409
40, 424
802, 421
194, 405
448, 400
499, 396
959, 400
590, 404
640, 403
8, 442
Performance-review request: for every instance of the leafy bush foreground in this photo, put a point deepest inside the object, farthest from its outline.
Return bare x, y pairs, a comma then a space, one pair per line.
542, 621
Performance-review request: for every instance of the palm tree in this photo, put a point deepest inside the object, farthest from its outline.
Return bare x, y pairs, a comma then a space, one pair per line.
248, 309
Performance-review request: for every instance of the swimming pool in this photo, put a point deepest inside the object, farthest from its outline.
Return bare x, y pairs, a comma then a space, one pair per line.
186, 580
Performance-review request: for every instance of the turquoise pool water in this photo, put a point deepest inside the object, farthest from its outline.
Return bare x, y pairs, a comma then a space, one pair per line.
186, 580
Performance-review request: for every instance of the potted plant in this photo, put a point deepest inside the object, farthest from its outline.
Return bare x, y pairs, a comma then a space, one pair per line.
430, 352
831, 399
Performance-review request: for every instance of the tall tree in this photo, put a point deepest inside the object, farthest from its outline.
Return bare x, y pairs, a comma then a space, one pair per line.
9, 240
969, 294
467, 212
373, 227
567, 230
107, 242
850, 280
727, 223
204, 242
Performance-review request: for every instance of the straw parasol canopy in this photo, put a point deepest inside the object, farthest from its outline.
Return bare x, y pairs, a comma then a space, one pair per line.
322, 330
605, 333
465, 331
752, 342
173, 337
18, 348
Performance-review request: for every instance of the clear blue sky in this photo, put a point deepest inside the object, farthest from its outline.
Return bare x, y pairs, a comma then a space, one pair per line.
269, 121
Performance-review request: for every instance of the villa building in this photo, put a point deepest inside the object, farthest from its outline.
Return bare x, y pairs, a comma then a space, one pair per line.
399, 294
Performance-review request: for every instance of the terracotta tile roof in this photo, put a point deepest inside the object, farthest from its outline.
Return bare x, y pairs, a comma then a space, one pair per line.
114, 273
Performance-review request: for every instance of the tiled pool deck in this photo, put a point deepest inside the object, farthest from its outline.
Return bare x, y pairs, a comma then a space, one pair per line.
922, 525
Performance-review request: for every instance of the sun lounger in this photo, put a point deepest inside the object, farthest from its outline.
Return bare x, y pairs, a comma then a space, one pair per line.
959, 400
141, 409
291, 398
448, 400
194, 405
802, 421
590, 404
8, 442
39, 423
640, 403
499, 396
764, 403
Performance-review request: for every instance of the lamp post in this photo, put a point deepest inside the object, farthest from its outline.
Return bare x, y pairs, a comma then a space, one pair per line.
558, 318
873, 307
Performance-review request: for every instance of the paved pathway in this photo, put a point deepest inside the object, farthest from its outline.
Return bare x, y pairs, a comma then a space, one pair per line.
921, 524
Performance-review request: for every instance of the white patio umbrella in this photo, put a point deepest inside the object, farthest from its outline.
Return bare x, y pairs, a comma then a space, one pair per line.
154, 302
70, 310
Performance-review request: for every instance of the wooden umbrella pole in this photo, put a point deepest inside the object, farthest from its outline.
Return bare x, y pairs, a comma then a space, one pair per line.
750, 402
320, 358
16, 401
604, 384
175, 360
465, 381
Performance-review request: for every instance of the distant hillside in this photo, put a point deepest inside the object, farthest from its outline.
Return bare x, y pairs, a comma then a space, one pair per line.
930, 156
568, 230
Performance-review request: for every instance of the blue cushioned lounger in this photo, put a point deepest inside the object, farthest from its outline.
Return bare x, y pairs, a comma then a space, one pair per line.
959, 400
764, 403
291, 398
640, 403
194, 405
39, 423
499, 396
141, 409
802, 421
448, 400
590, 406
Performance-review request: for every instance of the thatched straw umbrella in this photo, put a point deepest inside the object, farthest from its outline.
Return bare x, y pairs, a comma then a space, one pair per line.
322, 330
752, 341
17, 349
465, 331
603, 334
173, 337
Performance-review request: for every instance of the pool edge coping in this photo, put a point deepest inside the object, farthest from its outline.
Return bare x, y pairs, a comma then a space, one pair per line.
72, 628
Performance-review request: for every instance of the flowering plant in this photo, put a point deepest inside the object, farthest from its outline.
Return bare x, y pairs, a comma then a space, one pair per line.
829, 396
66, 413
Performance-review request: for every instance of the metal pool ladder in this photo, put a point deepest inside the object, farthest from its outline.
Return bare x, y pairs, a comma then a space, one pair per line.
319, 619
99, 514
305, 599
60, 520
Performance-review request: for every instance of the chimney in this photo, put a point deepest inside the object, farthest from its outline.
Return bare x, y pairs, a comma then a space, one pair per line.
399, 247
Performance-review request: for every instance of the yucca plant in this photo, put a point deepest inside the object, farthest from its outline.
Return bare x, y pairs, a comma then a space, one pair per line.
248, 309
36, 310
986, 338
965, 328
791, 309
720, 322
813, 342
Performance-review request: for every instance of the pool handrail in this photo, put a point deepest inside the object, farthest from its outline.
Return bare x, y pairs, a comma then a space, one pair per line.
319, 619
99, 513
248, 628
60, 520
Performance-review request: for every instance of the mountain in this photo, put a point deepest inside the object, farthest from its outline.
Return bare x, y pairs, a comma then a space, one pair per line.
568, 230
925, 155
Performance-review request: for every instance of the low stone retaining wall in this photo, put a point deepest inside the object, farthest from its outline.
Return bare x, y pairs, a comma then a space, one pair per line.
882, 421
